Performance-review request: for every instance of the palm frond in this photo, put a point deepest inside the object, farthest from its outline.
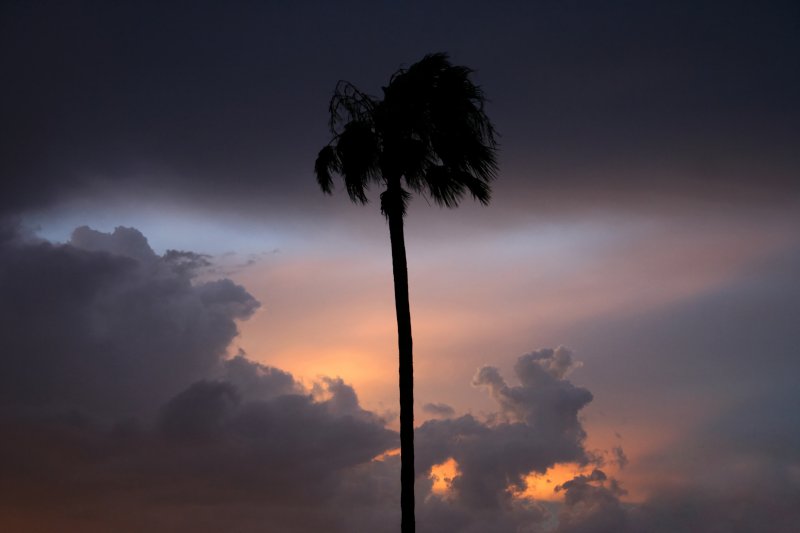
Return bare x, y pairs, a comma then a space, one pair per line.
444, 187
480, 189
326, 163
357, 150
348, 104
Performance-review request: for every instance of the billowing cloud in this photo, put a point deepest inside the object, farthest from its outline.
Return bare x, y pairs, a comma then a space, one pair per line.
117, 394
536, 427
104, 325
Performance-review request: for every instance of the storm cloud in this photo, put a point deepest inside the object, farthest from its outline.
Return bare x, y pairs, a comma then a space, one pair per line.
117, 390
104, 325
623, 103
535, 427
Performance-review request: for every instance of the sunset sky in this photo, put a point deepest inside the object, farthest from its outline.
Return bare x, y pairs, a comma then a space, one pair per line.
195, 338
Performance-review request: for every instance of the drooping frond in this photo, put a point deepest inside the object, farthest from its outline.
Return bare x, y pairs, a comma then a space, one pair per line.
349, 104
357, 150
326, 163
444, 187
480, 189
354, 150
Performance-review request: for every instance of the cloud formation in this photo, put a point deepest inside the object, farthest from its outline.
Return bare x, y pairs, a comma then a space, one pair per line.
438, 410
104, 325
120, 409
118, 396
536, 426
590, 506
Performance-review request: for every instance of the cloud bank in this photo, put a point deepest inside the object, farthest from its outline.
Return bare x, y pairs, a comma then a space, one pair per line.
121, 409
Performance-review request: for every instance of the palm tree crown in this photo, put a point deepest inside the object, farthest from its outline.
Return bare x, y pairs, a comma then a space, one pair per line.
429, 134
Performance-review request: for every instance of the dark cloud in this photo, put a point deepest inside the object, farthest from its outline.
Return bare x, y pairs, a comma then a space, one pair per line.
752, 503
258, 382
439, 410
736, 342
288, 449
729, 493
536, 427
120, 409
735, 468
591, 505
214, 460
744, 464
690, 99
544, 399
104, 325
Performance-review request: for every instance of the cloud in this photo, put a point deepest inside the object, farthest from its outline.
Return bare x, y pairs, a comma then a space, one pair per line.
288, 448
258, 382
439, 410
590, 506
714, 374
104, 325
143, 122
120, 409
213, 460
118, 400
619, 457
535, 428
544, 399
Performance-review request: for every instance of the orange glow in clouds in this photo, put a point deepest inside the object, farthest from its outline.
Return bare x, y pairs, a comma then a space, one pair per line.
442, 476
332, 314
542, 486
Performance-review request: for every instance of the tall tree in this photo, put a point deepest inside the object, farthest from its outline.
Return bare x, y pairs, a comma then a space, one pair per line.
428, 135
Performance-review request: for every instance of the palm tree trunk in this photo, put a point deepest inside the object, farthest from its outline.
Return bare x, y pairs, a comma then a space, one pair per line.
400, 270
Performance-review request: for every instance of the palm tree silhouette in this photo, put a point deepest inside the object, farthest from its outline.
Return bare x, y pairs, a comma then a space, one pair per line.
430, 135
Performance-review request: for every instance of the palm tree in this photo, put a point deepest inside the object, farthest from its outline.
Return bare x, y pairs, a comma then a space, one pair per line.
430, 135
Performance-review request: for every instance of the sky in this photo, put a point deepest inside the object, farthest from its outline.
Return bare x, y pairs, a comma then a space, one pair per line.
195, 338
